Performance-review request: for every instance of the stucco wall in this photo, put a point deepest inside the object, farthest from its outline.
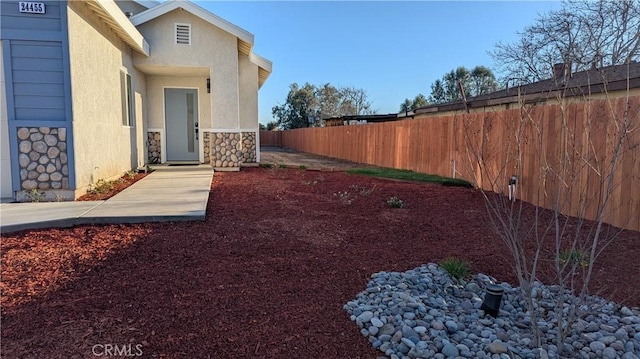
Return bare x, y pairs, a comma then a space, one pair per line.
103, 147
5, 158
248, 82
210, 47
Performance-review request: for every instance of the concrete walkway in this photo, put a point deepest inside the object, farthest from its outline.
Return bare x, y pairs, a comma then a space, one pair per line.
169, 193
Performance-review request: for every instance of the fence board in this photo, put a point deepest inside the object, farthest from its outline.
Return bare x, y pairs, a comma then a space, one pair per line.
558, 152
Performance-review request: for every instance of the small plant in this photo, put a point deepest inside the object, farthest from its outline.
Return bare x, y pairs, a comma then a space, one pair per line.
35, 196
344, 197
574, 257
363, 191
282, 166
59, 198
131, 174
302, 167
100, 187
457, 268
266, 165
395, 202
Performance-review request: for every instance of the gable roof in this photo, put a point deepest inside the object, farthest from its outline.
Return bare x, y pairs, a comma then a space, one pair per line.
592, 81
245, 38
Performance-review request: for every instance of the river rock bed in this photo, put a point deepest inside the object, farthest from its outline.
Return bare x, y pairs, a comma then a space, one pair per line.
424, 313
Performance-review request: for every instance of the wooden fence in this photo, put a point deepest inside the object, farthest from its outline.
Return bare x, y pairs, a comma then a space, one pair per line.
561, 154
271, 138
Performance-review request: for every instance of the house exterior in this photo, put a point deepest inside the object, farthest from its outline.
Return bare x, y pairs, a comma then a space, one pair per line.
92, 89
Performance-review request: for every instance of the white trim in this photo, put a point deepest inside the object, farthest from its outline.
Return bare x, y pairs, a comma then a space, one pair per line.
175, 32
261, 62
258, 146
164, 119
213, 19
163, 144
129, 33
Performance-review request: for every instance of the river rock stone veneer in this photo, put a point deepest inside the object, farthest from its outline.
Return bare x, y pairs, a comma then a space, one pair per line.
249, 147
226, 150
43, 158
154, 147
231, 149
206, 141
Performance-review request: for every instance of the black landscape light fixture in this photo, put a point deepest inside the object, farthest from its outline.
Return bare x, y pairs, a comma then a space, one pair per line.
492, 299
208, 85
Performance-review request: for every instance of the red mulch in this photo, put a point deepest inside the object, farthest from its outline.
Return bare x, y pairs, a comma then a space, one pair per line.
264, 276
118, 186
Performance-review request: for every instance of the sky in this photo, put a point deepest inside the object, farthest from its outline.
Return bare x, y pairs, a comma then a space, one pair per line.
391, 49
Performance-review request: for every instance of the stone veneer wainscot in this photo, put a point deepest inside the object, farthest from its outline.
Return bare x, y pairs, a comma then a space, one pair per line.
154, 147
43, 158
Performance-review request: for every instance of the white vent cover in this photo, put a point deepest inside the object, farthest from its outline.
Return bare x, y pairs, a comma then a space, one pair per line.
183, 34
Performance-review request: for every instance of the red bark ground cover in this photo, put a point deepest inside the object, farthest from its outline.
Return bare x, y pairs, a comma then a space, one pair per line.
264, 276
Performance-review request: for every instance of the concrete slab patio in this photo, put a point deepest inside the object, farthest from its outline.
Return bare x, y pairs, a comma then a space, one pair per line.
169, 193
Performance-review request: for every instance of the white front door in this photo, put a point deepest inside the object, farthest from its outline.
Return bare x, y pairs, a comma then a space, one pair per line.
181, 121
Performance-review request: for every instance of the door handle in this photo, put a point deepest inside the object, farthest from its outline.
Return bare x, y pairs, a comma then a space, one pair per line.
196, 134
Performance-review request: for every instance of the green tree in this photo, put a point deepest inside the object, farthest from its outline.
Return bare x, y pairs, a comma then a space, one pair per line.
299, 108
309, 105
418, 101
478, 81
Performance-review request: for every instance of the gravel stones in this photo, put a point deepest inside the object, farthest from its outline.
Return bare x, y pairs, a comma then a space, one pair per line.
423, 313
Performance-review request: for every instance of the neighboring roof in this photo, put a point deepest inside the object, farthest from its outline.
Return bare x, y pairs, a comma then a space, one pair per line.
368, 118
114, 18
245, 38
592, 81
147, 3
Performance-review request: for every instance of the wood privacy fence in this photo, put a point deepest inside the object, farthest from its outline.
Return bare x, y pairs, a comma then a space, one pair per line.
271, 138
562, 155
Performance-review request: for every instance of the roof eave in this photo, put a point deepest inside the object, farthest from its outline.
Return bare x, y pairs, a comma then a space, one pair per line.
264, 67
110, 13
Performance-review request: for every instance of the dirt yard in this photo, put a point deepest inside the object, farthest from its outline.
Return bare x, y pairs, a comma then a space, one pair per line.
264, 276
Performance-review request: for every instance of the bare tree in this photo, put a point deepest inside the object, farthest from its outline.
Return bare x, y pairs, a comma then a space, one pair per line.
571, 150
581, 34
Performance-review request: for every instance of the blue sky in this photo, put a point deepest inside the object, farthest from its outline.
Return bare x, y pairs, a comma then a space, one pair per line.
392, 50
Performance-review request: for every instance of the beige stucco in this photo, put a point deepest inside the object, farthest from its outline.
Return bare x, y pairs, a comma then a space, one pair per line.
5, 156
103, 147
212, 50
248, 84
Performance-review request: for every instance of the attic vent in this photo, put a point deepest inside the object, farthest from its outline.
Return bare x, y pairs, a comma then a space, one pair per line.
183, 34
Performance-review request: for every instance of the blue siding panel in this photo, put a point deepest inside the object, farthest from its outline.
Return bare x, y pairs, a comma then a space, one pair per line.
42, 102
37, 65
37, 49
37, 77
44, 89
38, 80
12, 18
40, 114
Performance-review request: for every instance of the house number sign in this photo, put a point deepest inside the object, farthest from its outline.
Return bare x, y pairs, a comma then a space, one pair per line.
31, 7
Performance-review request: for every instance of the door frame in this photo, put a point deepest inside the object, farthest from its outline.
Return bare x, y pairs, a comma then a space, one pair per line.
164, 121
